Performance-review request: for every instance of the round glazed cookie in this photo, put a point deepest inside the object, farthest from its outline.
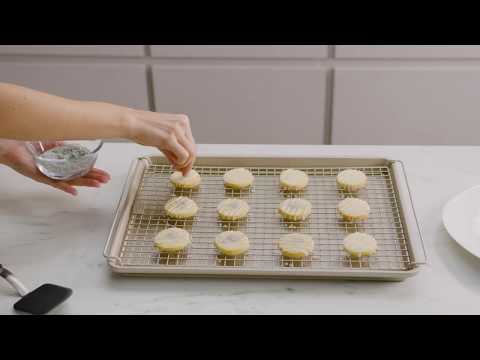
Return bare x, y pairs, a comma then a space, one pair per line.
353, 209
191, 181
296, 245
295, 209
239, 179
172, 240
181, 207
232, 243
351, 180
293, 180
360, 244
233, 209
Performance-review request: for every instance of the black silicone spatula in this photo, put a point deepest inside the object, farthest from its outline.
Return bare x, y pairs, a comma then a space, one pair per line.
39, 301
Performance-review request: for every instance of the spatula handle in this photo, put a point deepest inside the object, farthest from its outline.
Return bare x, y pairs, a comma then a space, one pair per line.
12, 280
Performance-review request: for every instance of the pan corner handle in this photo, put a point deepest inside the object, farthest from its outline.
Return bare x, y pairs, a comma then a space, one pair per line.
410, 214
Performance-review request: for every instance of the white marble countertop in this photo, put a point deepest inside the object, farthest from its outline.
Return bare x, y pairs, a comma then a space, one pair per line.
50, 237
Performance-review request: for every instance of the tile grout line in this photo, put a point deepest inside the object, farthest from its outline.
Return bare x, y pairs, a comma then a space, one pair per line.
148, 59
328, 117
330, 51
147, 51
149, 78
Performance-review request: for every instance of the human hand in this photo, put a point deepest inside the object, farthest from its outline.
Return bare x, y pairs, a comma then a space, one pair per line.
15, 155
170, 133
28, 114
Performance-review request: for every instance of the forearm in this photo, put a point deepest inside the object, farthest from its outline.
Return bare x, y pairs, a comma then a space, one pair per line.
27, 114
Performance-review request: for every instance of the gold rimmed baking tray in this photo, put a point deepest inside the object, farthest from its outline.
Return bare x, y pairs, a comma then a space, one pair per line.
140, 216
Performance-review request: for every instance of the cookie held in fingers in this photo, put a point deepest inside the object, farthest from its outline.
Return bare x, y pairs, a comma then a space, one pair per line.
296, 245
295, 209
360, 244
351, 180
181, 207
238, 179
191, 181
232, 243
172, 240
293, 180
353, 209
233, 209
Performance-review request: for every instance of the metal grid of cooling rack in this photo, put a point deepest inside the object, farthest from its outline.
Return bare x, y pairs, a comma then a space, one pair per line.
264, 226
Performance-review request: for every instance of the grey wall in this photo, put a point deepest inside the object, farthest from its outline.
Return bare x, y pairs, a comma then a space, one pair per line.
301, 94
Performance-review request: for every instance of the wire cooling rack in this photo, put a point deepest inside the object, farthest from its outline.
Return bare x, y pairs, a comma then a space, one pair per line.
264, 226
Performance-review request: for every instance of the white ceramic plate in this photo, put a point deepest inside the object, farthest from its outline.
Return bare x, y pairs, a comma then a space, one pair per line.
461, 218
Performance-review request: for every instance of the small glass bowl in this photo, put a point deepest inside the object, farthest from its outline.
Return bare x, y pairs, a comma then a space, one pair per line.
64, 169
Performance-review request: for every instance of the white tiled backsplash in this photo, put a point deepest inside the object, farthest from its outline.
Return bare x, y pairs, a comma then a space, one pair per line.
274, 94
